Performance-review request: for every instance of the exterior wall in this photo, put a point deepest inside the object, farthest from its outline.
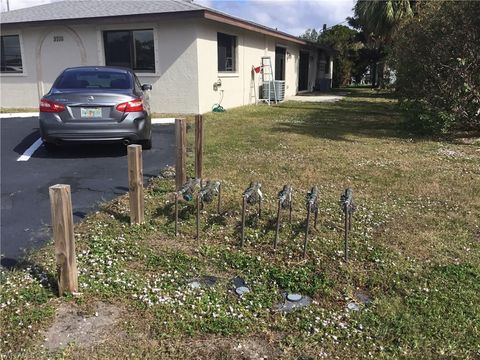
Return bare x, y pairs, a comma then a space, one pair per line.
236, 86
174, 81
185, 63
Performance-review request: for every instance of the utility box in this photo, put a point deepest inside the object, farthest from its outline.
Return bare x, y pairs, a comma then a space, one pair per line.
279, 90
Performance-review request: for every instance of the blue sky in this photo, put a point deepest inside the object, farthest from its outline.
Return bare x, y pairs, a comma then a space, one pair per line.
291, 16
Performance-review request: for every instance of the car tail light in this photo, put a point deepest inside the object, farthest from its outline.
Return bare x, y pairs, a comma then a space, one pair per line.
51, 106
131, 106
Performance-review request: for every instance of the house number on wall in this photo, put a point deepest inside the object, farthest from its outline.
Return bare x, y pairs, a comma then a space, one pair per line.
57, 38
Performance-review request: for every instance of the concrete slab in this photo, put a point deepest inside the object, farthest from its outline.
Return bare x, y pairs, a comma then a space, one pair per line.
316, 97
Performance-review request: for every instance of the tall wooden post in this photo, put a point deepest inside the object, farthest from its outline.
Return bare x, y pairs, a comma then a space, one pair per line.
198, 146
181, 153
62, 225
135, 183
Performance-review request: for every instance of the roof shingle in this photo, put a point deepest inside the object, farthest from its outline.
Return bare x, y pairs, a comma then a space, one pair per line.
79, 9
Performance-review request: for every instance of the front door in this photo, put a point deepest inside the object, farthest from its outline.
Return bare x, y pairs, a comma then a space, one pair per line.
303, 71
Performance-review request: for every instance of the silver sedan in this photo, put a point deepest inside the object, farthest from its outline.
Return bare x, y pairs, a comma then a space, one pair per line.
96, 104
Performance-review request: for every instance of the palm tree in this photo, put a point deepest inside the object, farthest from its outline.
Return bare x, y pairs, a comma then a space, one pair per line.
379, 20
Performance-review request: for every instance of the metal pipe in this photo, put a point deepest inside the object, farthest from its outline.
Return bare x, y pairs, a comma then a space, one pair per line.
346, 235
290, 212
260, 208
278, 225
244, 204
219, 197
199, 202
176, 213
306, 231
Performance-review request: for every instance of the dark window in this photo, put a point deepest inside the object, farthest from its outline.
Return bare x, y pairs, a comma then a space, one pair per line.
130, 48
93, 79
11, 56
327, 65
280, 53
226, 47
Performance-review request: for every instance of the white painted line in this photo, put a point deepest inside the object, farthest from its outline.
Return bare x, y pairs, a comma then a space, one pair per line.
163, 121
18, 115
29, 152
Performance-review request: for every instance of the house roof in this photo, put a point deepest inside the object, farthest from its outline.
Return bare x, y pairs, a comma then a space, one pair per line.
81, 9
73, 11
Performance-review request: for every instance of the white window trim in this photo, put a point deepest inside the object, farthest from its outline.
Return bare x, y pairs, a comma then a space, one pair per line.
22, 55
230, 74
101, 45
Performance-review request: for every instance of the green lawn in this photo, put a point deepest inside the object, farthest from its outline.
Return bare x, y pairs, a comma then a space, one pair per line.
415, 248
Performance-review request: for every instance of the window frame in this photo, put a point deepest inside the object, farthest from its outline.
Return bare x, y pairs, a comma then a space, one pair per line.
235, 47
131, 30
22, 56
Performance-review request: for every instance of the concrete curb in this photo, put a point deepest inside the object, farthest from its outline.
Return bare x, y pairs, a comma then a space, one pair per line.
18, 115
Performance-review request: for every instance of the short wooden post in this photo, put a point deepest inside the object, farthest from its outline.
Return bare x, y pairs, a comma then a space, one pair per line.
181, 145
62, 225
135, 183
198, 146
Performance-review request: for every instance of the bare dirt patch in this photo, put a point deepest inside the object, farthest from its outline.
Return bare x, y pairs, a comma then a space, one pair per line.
73, 325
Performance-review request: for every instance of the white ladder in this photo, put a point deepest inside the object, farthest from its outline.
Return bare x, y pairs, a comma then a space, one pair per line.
253, 90
268, 80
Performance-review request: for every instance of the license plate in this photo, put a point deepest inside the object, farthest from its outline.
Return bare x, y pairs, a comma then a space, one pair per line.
91, 112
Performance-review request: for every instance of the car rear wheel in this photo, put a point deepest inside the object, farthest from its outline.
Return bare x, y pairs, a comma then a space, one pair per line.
146, 144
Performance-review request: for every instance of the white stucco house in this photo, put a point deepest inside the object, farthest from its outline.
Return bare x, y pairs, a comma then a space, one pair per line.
192, 55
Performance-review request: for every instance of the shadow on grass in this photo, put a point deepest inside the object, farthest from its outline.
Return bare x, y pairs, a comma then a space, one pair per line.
348, 117
47, 280
120, 216
186, 211
216, 219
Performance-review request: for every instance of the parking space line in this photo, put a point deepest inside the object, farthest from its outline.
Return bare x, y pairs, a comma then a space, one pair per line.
29, 152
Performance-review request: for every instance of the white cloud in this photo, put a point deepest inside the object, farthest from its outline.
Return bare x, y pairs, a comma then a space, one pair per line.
20, 4
292, 16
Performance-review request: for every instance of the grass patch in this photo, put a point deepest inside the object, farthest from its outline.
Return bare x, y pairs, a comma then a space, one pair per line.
414, 247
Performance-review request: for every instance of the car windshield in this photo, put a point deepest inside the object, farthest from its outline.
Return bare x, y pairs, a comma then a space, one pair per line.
93, 79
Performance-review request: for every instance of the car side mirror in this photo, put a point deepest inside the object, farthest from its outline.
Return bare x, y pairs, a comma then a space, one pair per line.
146, 87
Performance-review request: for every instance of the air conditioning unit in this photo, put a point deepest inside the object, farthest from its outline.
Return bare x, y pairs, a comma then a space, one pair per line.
279, 90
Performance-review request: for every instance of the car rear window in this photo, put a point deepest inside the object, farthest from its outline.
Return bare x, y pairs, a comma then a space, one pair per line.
93, 80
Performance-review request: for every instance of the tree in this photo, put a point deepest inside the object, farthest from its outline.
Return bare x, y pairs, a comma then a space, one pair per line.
343, 40
379, 21
310, 35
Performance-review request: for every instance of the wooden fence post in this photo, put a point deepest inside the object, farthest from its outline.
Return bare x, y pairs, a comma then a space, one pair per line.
135, 183
180, 165
62, 226
198, 146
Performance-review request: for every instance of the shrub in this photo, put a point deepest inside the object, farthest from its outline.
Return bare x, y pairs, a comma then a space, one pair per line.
437, 58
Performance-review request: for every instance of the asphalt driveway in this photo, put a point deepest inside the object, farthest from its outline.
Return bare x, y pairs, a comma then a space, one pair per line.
96, 173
